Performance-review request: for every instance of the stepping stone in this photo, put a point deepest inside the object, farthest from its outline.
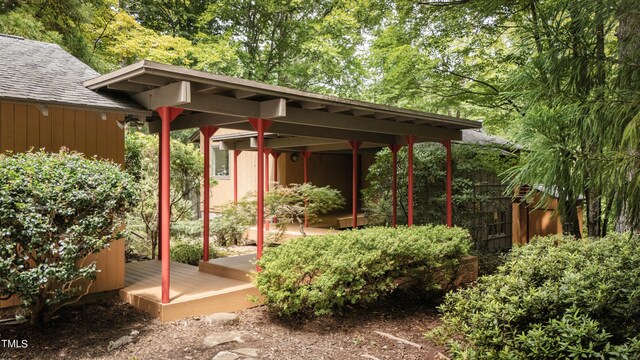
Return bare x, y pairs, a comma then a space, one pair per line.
222, 318
113, 345
251, 352
223, 337
225, 355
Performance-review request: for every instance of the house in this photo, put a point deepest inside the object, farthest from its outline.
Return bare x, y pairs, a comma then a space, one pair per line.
44, 105
531, 218
286, 166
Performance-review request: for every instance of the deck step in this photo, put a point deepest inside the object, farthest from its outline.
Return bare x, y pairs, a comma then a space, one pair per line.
232, 267
192, 292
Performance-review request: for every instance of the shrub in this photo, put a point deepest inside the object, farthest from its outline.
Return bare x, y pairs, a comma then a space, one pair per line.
228, 227
325, 274
289, 204
189, 253
555, 298
55, 209
141, 156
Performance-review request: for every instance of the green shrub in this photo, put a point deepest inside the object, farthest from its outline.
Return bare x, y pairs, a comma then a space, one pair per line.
289, 204
55, 209
325, 274
555, 298
228, 227
189, 253
187, 229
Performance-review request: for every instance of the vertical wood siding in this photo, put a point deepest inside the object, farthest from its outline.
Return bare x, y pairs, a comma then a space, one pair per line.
23, 127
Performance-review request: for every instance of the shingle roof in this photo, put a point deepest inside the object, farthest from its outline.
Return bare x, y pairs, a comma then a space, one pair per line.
35, 71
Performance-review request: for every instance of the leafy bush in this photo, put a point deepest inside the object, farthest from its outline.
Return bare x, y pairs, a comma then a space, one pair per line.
325, 274
55, 209
291, 203
555, 298
229, 225
187, 229
187, 252
187, 169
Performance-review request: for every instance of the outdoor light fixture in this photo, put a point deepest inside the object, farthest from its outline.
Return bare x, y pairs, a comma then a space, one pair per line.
294, 157
253, 142
222, 146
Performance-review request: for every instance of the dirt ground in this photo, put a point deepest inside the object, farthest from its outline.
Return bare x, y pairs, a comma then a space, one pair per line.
85, 332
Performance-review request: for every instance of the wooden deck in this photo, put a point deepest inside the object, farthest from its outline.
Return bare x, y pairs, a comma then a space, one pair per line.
232, 267
192, 292
339, 221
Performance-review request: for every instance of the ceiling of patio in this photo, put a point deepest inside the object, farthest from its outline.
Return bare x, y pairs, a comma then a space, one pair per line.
300, 120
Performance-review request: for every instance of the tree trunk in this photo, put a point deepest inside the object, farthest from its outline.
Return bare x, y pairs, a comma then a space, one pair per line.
593, 213
628, 35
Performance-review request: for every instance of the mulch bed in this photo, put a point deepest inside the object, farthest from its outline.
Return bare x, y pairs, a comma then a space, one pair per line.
85, 332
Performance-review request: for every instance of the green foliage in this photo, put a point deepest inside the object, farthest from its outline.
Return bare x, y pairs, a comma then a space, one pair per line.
555, 298
290, 203
230, 224
429, 182
322, 275
188, 252
55, 209
187, 171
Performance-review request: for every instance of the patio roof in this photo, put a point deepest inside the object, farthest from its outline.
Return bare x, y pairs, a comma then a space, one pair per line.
312, 119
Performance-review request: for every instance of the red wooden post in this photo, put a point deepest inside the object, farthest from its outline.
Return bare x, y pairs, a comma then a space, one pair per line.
394, 184
447, 145
266, 179
236, 153
207, 132
275, 155
167, 114
305, 167
410, 141
159, 248
260, 125
354, 181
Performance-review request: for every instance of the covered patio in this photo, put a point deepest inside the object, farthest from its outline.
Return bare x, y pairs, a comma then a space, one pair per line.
280, 120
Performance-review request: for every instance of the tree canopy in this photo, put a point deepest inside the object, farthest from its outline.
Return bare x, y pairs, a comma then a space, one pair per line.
560, 77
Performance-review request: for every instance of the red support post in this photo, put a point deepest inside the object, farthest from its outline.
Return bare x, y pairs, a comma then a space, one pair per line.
447, 145
167, 115
267, 152
394, 184
260, 125
305, 167
410, 141
159, 248
236, 153
275, 155
354, 182
207, 132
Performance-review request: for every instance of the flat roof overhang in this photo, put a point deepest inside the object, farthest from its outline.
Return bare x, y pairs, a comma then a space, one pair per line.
300, 120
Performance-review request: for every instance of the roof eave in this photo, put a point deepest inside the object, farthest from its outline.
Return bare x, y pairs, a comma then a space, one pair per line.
172, 71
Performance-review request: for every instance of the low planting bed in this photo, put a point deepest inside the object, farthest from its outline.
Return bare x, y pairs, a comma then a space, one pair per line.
323, 275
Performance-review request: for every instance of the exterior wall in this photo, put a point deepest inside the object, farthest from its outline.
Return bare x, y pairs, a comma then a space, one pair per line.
324, 170
22, 127
541, 222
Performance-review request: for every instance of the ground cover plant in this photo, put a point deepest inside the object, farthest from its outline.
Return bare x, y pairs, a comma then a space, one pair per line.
323, 275
555, 298
55, 209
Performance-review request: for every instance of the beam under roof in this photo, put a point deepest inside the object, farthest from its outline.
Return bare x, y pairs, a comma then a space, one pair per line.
293, 112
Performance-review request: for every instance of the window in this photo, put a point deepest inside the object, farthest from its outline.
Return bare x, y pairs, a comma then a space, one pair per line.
219, 162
